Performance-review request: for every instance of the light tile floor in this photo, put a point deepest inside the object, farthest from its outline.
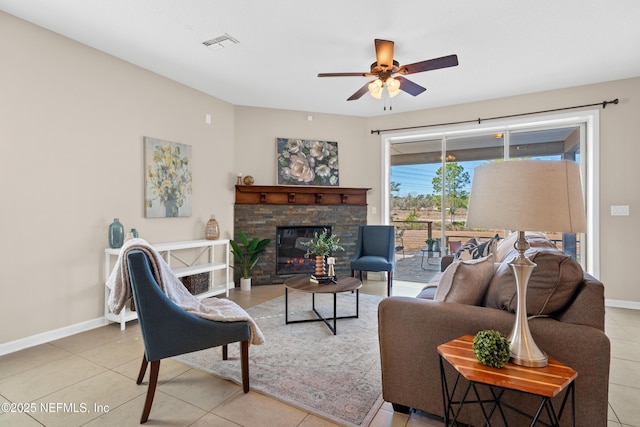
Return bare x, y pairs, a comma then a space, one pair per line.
88, 379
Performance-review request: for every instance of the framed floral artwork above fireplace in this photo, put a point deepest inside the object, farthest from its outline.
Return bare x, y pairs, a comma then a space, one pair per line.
168, 184
307, 162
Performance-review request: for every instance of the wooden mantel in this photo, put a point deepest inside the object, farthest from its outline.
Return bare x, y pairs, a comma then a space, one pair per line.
299, 195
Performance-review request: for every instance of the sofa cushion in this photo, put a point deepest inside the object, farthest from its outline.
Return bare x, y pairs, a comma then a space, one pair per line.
465, 282
505, 246
551, 287
428, 292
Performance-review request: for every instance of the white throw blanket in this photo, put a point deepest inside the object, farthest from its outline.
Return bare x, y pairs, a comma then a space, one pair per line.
219, 309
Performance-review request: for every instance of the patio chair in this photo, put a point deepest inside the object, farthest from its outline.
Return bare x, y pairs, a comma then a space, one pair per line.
454, 246
400, 242
375, 251
167, 330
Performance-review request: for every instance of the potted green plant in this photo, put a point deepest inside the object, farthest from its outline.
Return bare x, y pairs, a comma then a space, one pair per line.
246, 255
322, 245
430, 242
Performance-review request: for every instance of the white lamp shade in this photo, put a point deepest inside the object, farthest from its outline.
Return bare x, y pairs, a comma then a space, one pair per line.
375, 88
393, 86
527, 195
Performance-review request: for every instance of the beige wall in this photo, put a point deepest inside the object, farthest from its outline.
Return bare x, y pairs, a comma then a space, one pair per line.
72, 121
257, 129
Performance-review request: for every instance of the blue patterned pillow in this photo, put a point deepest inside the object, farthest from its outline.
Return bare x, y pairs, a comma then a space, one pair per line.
488, 247
474, 250
468, 250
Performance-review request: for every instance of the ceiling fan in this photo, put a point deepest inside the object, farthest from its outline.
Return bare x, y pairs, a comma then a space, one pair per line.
389, 72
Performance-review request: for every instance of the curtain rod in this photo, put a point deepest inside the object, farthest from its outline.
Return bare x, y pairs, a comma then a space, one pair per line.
479, 120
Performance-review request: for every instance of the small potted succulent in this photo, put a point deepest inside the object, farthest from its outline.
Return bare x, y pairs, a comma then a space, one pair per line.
491, 348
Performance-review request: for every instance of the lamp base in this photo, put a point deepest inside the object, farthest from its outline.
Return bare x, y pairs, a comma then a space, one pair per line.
524, 351
528, 362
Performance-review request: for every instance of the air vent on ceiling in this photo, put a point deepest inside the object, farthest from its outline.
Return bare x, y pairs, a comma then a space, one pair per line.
219, 42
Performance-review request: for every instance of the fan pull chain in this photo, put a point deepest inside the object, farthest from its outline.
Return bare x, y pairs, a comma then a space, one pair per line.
386, 98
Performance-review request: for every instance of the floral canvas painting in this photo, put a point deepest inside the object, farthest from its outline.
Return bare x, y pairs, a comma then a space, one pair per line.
167, 178
307, 162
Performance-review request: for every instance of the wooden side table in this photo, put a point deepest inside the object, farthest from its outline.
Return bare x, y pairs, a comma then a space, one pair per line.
545, 382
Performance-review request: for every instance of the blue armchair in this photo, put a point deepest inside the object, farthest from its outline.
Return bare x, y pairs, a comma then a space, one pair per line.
168, 330
375, 251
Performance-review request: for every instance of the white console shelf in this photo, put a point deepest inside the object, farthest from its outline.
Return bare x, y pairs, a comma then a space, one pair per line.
217, 260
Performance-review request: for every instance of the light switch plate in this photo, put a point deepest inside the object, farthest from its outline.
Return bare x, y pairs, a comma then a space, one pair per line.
620, 210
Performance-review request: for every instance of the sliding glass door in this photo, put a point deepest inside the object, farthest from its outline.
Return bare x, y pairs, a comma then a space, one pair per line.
429, 178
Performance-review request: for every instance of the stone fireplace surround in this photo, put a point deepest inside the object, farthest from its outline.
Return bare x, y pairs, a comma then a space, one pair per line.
259, 210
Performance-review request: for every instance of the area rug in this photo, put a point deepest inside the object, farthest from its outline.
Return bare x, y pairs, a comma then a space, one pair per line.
336, 377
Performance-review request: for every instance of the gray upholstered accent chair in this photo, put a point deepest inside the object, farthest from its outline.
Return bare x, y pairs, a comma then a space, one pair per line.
168, 330
375, 251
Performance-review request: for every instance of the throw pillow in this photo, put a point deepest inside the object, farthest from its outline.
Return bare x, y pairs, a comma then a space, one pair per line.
488, 247
468, 250
473, 249
551, 287
506, 245
465, 282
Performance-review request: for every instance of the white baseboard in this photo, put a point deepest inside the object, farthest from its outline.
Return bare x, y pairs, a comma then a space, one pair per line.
633, 305
45, 337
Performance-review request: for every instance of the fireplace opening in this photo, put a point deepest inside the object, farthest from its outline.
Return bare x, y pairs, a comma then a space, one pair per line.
291, 254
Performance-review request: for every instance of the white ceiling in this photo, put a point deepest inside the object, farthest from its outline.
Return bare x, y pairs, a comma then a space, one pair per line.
505, 47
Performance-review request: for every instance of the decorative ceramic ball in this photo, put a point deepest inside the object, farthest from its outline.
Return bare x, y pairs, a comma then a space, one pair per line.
491, 348
248, 180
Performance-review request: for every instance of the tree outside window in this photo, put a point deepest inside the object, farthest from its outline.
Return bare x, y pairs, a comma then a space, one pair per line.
456, 182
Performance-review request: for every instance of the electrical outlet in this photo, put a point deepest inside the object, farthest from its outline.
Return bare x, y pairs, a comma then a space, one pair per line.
374, 210
621, 210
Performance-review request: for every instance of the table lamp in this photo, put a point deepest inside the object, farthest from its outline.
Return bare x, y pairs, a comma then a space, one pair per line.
526, 195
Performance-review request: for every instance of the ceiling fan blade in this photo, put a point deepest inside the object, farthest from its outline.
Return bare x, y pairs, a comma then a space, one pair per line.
384, 53
364, 89
409, 86
345, 74
430, 64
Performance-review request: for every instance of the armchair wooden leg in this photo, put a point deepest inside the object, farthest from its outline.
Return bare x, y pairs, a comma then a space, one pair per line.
143, 369
389, 283
225, 352
353, 273
244, 359
151, 390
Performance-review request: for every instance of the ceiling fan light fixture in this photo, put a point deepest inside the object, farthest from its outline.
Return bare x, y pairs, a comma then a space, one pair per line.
393, 86
375, 88
385, 67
